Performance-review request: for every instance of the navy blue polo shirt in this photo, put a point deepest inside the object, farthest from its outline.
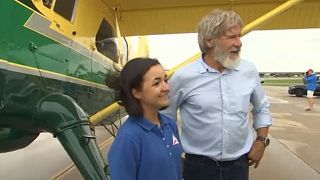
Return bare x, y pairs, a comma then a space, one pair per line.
143, 151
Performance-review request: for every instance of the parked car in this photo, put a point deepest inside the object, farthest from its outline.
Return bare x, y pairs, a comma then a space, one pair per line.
300, 90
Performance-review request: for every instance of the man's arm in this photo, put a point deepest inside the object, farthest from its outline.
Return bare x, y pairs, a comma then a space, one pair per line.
174, 98
258, 147
261, 121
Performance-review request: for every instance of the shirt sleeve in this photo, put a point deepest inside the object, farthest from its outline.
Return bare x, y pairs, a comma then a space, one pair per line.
261, 105
124, 158
311, 78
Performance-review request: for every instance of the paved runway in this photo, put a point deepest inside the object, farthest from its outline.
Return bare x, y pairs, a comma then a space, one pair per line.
292, 155
294, 150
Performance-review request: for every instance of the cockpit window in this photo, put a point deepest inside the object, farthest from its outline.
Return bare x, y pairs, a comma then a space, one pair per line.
65, 8
106, 41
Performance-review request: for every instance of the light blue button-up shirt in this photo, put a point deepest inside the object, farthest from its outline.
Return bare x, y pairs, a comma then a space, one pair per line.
214, 108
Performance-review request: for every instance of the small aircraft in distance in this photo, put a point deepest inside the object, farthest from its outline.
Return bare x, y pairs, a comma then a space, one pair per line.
58, 59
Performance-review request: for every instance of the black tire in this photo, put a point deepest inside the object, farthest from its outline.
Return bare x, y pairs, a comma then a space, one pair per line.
299, 92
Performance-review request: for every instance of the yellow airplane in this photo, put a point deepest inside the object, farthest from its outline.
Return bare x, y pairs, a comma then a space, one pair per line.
58, 58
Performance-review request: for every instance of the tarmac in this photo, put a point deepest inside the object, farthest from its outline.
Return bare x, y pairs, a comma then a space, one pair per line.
279, 163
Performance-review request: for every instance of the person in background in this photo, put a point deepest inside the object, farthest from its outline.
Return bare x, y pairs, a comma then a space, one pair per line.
147, 146
311, 81
213, 94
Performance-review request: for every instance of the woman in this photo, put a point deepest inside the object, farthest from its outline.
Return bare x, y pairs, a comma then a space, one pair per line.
147, 146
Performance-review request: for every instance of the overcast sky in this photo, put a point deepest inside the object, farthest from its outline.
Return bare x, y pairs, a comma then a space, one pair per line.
271, 51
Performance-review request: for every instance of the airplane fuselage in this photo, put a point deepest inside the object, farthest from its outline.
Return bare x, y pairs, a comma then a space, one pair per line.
53, 81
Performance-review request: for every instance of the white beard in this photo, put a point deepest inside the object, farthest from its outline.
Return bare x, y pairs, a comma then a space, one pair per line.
224, 59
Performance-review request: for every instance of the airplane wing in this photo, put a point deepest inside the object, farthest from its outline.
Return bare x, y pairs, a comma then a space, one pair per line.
145, 17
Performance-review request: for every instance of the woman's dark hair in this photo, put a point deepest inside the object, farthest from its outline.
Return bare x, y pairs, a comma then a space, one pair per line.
131, 77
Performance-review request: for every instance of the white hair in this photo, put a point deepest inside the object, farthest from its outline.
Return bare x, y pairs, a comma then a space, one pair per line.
215, 24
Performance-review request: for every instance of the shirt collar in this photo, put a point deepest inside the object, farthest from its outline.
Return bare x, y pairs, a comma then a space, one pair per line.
146, 124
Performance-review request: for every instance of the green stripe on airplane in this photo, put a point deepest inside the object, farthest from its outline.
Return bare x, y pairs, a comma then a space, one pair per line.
26, 47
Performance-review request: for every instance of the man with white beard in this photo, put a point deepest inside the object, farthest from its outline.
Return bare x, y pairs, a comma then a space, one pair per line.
213, 94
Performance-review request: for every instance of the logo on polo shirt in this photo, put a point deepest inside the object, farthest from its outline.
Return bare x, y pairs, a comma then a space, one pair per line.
174, 140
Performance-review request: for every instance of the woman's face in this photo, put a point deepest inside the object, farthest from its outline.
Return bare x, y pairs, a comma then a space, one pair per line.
155, 89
